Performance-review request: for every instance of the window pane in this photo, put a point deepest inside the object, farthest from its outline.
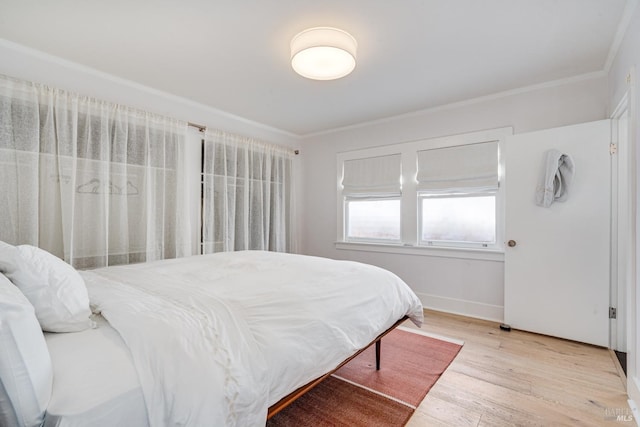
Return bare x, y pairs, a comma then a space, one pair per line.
373, 219
459, 219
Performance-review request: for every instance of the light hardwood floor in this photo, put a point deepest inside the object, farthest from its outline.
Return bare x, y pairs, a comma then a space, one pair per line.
520, 379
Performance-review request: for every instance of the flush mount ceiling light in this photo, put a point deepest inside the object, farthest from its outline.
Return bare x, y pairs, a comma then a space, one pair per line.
323, 53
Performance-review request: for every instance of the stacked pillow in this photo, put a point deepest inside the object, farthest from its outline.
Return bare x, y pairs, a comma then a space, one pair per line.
54, 288
46, 294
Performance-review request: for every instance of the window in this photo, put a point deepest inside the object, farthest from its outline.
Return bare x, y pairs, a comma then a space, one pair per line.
419, 196
457, 189
373, 219
372, 204
457, 219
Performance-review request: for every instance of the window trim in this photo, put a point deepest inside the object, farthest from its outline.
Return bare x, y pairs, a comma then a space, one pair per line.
440, 252
409, 201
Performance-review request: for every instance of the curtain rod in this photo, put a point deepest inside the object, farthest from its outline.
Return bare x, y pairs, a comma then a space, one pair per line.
202, 128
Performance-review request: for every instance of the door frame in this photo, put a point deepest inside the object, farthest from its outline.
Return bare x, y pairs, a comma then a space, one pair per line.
631, 293
621, 212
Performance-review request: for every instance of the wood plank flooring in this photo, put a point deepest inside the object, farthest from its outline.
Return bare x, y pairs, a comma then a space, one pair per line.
520, 379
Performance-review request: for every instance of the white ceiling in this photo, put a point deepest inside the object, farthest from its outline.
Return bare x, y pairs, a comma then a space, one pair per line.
233, 55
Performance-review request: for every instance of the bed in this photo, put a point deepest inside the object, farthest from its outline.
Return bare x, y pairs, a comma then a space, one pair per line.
218, 339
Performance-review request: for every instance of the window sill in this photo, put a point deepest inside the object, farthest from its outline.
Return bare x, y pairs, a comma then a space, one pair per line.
464, 253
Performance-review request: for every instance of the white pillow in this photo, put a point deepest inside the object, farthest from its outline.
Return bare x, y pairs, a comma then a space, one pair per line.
54, 288
25, 365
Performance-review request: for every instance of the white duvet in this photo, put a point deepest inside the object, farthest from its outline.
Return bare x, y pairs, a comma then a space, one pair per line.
217, 339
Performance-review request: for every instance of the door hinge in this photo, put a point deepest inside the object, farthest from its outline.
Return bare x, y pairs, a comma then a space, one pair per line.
613, 149
613, 313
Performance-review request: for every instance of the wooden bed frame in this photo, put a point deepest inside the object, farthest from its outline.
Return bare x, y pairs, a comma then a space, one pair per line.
290, 398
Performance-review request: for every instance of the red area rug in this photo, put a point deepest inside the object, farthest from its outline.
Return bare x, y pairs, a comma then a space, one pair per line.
358, 395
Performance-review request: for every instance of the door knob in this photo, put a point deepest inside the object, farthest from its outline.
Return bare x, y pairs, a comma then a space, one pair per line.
511, 243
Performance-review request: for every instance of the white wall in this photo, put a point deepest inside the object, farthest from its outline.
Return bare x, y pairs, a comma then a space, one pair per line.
628, 61
468, 286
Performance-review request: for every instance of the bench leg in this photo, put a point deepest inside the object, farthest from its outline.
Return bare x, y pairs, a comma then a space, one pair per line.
378, 355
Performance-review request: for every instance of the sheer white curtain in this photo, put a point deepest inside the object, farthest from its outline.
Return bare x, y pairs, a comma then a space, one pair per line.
93, 182
247, 194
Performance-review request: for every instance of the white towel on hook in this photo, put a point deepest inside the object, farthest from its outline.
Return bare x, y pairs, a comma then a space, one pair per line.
555, 180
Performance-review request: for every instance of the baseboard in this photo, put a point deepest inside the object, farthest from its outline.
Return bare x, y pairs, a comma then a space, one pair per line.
474, 309
621, 373
634, 410
633, 392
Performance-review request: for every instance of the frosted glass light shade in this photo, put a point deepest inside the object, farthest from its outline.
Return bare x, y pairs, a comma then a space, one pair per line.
323, 53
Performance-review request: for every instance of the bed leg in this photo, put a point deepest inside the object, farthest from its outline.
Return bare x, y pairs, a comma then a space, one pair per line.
378, 355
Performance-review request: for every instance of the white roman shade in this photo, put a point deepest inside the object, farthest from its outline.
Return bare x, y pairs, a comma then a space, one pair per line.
457, 169
373, 176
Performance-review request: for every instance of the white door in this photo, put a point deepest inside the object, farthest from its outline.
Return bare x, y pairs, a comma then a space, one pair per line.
557, 274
